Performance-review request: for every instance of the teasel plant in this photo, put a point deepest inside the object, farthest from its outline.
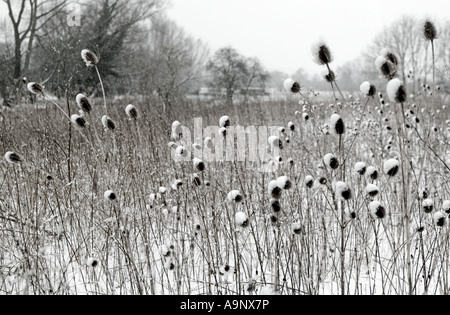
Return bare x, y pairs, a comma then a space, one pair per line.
322, 56
430, 34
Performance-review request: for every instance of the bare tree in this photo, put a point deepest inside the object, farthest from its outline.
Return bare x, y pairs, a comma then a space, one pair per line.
232, 71
30, 16
175, 60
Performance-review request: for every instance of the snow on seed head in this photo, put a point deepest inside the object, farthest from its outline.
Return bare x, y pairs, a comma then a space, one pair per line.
305, 116
164, 251
78, 120
89, 58
35, 88
177, 130
385, 67
377, 211
223, 131
235, 196
391, 57
13, 158
309, 181
328, 75
242, 220
274, 190
131, 112
391, 167
224, 122
331, 161
84, 103
439, 219
368, 89
291, 86
291, 126
337, 124
110, 195
199, 165
361, 168
429, 30
208, 143
446, 206
284, 183
343, 191
396, 91
372, 190
92, 262
321, 53
296, 228
275, 142
108, 123
427, 206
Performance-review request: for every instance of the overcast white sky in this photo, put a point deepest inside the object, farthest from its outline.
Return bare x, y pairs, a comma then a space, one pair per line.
280, 32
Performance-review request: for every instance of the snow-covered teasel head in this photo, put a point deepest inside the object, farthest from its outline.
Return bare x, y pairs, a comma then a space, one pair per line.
274, 190
35, 88
275, 142
372, 190
328, 75
396, 91
321, 53
110, 195
331, 161
309, 181
79, 121
385, 67
198, 164
242, 220
224, 122
391, 167
177, 130
368, 89
89, 58
108, 123
361, 168
284, 183
235, 196
377, 211
84, 103
343, 191
292, 86
132, 112
439, 219
297, 228
208, 143
92, 262
13, 158
428, 206
337, 124
391, 57
446, 206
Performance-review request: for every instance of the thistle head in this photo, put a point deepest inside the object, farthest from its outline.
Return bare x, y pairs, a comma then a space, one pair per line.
368, 89
396, 91
429, 30
131, 112
321, 53
292, 86
89, 58
83, 103
35, 88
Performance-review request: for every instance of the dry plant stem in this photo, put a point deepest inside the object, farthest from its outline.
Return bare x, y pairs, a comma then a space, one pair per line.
404, 159
103, 89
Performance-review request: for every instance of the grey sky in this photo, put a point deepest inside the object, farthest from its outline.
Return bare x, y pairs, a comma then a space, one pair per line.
280, 32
